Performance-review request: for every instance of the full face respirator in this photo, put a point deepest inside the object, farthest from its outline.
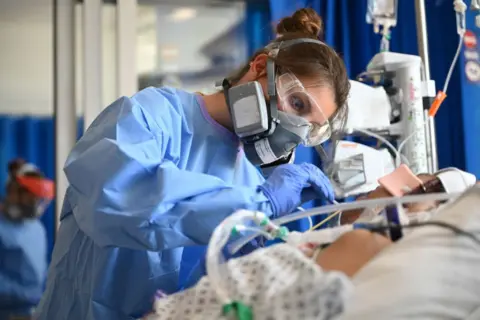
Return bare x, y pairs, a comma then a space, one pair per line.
270, 134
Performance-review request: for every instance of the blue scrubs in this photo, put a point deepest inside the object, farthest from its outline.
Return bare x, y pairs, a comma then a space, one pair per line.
153, 173
23, 266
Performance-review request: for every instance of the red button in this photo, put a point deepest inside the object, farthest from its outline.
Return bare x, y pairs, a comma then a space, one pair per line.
470, 39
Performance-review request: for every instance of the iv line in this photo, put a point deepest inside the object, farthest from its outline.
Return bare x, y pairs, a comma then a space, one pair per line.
361, 204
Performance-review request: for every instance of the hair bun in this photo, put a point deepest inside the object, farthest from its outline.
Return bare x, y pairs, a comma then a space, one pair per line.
305, 21
14, 166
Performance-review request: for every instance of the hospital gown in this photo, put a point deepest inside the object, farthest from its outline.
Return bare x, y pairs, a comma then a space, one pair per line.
153, 173
278, 283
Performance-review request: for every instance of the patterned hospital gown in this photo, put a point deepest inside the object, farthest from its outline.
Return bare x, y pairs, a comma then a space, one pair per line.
278, 283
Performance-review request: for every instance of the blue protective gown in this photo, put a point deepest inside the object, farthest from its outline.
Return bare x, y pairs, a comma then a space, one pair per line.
153, 174
23, 265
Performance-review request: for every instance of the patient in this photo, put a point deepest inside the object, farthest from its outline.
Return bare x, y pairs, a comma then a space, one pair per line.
282, 282
450, 180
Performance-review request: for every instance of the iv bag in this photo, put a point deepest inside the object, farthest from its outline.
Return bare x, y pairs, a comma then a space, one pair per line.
382, 12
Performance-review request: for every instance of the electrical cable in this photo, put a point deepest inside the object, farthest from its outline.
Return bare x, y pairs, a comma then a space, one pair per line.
386, 142
379, 138
454, 62
360, 204
367, 203
459, 8
310, 221
402, 144
331, 216
439, 96
321, 223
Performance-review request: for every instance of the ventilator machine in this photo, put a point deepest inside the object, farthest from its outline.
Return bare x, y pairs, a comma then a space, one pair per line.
394, 101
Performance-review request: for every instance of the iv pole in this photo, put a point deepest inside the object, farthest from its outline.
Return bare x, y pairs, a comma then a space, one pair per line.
421, 21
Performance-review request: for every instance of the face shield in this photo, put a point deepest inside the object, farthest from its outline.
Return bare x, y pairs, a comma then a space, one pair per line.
296, 99
28, 197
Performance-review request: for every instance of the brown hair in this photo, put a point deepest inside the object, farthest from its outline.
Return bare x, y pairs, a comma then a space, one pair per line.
307, 59
14, 167
431, 184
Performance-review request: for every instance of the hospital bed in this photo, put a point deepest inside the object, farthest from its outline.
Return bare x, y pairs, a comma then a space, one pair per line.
430, 273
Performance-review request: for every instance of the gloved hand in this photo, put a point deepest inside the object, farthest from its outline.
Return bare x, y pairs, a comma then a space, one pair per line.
290, 185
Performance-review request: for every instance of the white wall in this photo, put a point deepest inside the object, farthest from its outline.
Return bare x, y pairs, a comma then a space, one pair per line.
26, 49
26, 56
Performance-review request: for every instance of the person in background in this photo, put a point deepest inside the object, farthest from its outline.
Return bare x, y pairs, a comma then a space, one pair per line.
157, 172
23, 243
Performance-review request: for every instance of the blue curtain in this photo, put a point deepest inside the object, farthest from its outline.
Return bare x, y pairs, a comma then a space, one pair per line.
347, 31
258, 28
471, 98
33, 139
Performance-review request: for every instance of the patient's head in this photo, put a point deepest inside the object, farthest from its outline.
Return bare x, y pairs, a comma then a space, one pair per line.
430, 184
449, 180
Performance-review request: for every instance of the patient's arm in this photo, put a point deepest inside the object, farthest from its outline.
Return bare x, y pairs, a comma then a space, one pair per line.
352, 251
349, 253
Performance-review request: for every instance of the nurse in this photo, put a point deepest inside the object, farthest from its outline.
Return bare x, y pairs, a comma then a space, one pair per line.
23, 240
157, 172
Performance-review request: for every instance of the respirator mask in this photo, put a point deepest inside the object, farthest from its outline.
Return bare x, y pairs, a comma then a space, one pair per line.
271, 129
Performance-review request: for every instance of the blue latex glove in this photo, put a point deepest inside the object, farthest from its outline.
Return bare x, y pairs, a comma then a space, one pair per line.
290, 185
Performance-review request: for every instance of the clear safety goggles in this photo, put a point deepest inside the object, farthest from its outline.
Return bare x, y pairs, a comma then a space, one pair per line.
295, 98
